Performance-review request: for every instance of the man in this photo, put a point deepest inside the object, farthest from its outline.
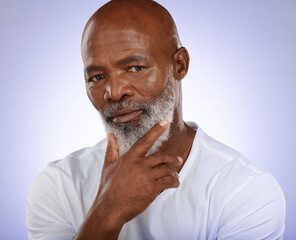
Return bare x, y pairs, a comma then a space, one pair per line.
155, 177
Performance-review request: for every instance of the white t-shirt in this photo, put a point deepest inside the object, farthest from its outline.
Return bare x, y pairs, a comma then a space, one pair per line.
222, 195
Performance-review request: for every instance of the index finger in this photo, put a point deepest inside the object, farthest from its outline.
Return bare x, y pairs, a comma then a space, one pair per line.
142, 146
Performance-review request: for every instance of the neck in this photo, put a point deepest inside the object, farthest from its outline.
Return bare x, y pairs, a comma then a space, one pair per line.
180, 140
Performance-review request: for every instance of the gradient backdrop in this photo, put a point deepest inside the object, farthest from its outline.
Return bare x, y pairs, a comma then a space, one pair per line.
241, 88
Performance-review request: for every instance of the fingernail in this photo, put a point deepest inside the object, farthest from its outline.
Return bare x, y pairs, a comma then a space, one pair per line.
163, 123
180, 159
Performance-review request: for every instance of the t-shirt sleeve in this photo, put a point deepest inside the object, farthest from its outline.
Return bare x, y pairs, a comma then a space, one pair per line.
45, 215
255, 210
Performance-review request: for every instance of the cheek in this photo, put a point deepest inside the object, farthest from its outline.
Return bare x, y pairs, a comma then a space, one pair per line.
95, 95
151, 85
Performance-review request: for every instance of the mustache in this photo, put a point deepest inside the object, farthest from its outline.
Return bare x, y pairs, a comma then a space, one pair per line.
125, 105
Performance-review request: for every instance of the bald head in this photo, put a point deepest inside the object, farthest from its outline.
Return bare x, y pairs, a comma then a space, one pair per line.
144, 16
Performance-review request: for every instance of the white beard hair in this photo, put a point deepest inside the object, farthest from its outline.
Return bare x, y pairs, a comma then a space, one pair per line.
161, 108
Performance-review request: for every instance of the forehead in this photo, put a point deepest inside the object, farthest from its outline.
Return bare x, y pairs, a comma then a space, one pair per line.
113, 41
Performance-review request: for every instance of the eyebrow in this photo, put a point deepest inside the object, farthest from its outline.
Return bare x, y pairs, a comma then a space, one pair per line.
93, 68
133, 58
130, 59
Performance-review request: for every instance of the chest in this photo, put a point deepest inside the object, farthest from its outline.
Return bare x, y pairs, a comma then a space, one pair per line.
177, 214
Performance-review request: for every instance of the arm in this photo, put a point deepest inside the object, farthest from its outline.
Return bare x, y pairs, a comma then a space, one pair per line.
128, 185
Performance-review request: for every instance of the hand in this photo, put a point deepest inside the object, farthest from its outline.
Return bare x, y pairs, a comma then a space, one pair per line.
129, 184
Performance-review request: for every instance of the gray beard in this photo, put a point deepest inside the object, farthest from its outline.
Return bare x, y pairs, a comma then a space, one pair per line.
162, 108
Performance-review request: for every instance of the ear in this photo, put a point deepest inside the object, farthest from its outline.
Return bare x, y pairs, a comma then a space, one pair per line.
181, 63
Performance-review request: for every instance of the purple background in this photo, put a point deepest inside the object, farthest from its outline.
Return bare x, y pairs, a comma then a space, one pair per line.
240, 89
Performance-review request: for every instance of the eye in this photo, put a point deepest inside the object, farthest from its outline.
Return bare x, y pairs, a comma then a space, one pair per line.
96, 78
135, 68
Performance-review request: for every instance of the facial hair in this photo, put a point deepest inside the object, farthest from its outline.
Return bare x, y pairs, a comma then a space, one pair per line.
161, 108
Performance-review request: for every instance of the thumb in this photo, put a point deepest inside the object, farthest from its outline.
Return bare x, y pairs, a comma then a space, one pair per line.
112, 151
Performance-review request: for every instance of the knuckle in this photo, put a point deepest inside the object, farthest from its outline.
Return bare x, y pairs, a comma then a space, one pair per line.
170, 159
171, 181
167, 180
174, 159
168, 170
176, 183
159, 156
159, 159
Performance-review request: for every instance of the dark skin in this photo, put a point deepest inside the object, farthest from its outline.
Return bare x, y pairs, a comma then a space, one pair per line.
130, 54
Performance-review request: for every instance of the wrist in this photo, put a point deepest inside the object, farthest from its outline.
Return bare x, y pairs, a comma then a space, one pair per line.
110, 221
100, 223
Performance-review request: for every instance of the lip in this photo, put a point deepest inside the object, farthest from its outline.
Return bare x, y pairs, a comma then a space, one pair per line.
126, 115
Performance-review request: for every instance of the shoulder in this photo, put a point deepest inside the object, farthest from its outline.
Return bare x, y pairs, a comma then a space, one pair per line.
246, 202
253, 208
212, 163
80, 161
76, 165
207, 151
61, 186
221, 161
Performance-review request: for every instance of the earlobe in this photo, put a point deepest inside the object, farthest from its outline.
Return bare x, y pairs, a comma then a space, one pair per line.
181, 63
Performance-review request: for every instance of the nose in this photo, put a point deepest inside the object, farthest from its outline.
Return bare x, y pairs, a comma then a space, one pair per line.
118, 90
